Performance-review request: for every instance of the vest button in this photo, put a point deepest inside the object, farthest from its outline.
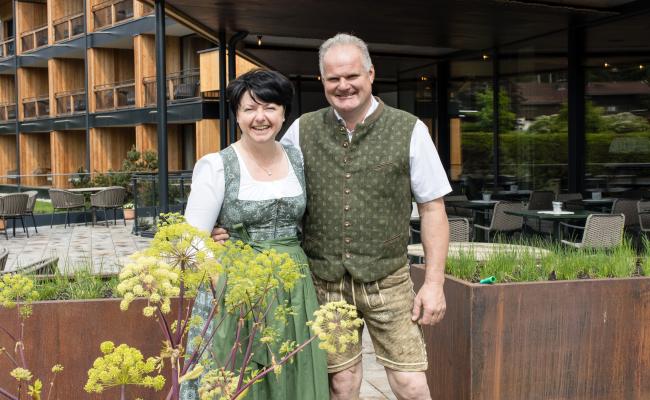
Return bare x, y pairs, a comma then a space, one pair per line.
342, 129
347, 224
348, 175
347, 207
348, 240
346, 160
345, 144
348, 255
347, 191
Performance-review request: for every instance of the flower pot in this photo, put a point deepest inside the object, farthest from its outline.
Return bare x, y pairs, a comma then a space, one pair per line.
129, 213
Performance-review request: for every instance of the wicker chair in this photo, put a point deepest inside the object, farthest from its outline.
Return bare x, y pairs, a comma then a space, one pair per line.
627, 207
502, 222
458, 229
601, 231
13, 206
46, 266
457, 211
571, 201
643, 208
65, 200
4, 254
540, 200
31, 203
111, 198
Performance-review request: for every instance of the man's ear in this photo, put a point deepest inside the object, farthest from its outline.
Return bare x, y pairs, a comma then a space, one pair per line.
371, 72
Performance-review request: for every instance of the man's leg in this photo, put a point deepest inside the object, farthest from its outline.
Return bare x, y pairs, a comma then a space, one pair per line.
408, 385
346, 384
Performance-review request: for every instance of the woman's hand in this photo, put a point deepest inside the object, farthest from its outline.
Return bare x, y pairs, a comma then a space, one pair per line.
219, 235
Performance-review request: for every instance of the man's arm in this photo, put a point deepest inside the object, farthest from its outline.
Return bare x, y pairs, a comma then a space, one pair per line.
429, 305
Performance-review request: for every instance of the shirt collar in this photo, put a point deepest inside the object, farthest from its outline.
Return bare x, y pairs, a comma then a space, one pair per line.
373, 106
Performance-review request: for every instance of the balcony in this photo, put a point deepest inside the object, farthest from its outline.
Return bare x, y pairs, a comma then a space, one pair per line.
36, 107
111, 12
71, 102
7, 111
114, 96
7, 48
180, 86
34, 39
68, 27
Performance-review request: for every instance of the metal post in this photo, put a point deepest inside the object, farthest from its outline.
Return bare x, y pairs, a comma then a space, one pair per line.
87, 160
576, 103
223, 115
16, 85
232, 73
442, 111
161, 98
496, 126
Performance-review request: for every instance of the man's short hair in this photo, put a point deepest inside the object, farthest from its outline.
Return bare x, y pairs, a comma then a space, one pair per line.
344, 39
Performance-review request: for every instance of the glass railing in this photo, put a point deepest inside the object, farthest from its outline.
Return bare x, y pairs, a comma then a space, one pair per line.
7, 111
36, 107
69, 27
7, 48
34, 39
111, 12
115, 95
71, 102
180, 86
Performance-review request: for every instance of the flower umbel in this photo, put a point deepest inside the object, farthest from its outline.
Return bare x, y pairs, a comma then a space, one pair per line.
17, 288
150, 278
21, 374
122, 365
336, 324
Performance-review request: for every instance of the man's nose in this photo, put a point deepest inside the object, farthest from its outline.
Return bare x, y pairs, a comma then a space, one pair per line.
343, 84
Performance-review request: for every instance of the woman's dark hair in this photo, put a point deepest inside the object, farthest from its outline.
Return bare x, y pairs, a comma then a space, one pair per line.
263, 85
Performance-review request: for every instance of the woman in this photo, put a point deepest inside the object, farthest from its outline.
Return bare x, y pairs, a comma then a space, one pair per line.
258, 183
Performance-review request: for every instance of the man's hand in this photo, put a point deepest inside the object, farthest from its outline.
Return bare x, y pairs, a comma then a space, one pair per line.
219, 235
429, 305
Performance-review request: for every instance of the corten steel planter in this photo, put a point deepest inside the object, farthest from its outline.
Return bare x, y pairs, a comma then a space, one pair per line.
585, 339
69, 332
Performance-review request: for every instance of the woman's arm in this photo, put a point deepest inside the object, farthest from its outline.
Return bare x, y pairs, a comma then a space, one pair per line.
206, 196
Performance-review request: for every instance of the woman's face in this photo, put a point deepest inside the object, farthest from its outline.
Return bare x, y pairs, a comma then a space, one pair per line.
260, 121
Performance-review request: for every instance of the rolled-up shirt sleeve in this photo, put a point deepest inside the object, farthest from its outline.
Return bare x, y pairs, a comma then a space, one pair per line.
206, 196
428, 177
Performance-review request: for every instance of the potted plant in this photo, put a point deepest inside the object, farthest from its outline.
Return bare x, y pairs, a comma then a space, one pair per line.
565, 325
129, 211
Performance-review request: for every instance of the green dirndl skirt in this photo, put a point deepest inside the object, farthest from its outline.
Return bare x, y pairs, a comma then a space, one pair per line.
305, 377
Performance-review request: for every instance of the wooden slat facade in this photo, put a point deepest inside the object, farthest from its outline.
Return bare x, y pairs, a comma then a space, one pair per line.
68, 155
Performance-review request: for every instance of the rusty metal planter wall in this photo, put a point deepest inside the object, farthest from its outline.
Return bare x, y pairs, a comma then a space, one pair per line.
69, 333
586, 339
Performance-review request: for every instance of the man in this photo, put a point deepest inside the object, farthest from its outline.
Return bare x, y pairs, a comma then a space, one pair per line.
363, 160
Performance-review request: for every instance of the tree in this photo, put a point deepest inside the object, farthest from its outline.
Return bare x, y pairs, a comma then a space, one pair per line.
485, 115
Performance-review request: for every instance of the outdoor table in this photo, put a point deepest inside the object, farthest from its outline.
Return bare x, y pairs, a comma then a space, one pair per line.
480, 208
604, 204
482, 251
522, 194
87, 191
556, 218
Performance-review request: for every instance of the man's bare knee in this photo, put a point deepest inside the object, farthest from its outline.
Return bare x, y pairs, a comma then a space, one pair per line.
408, 385
347, 383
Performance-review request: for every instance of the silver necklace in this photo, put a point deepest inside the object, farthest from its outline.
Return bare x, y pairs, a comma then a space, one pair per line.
269, 171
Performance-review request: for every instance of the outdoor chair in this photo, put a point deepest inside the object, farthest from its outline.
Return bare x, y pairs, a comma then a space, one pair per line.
540, 200
13, 206
111, 198
627, 207
643, 208
601, 231
31, 203
65, 200
4, 254
46, 266
457, 211
458, 229
502, 222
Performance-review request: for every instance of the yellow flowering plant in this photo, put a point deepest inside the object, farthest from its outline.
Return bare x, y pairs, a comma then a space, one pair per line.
17, 291
179, 260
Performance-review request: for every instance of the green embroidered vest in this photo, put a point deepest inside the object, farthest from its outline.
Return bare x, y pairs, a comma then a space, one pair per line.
358, 193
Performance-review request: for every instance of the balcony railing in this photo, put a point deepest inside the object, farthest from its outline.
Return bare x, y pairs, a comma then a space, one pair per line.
7, 48
180, 86
68, 27
34, 39
115, 95
111, 12
36, 107
72, 102
7, 111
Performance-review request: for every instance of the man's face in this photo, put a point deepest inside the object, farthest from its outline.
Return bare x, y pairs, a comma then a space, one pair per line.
347, 84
